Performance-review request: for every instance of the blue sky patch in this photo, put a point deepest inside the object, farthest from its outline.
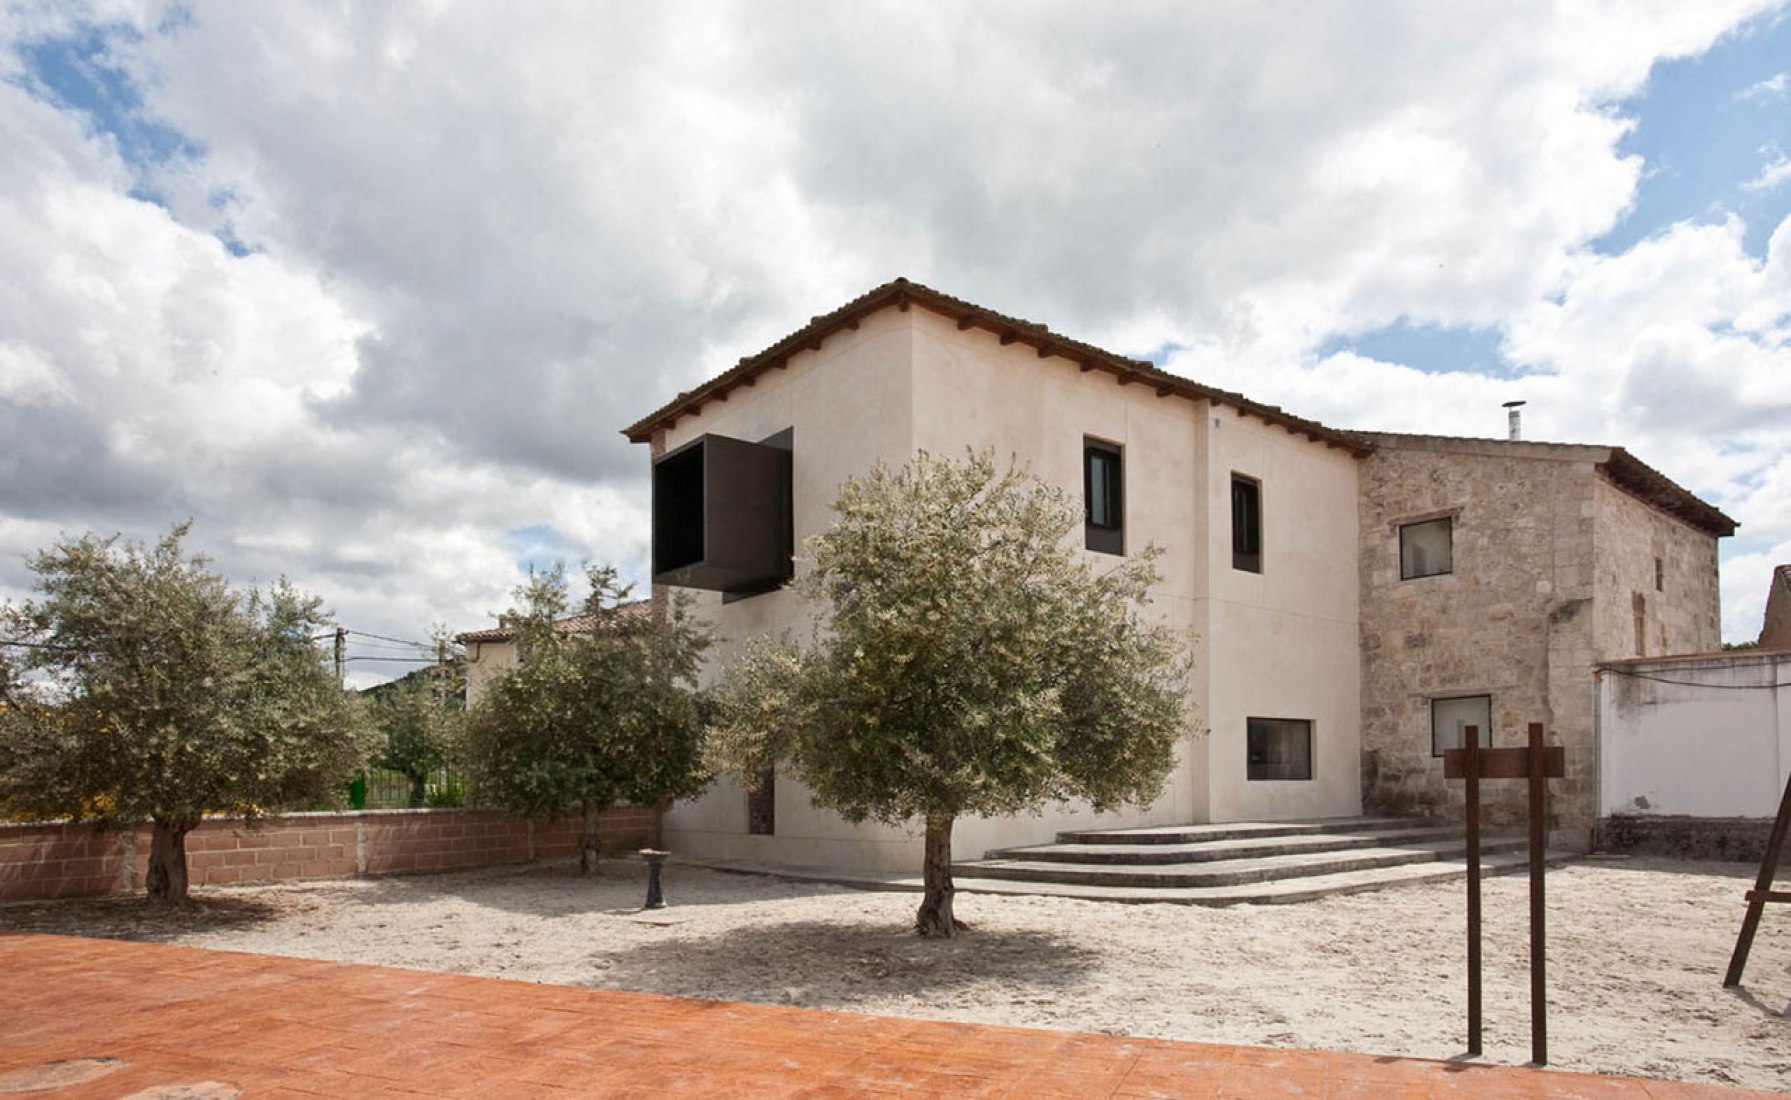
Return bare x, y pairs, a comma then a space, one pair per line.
79, 72
1706, 126
1435, 349
540, 546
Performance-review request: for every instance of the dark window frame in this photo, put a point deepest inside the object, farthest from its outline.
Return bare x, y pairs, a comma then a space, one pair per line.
1404, 527
1485, 734
1246, 523
1268, 725
1105, 532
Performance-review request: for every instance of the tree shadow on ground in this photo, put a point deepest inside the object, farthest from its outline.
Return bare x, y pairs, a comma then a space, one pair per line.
133, 917
847, 964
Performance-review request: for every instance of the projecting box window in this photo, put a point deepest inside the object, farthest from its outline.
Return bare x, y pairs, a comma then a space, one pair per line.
1450, 719
1103, 496
722, 516
1279, 748
1246, 524
1426, 549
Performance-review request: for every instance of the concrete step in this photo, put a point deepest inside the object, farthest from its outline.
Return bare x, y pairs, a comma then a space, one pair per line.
1279, 892
1226, 872
1209, 851
1235, 830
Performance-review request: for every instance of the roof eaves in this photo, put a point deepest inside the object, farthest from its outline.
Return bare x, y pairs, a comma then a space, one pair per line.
903, 294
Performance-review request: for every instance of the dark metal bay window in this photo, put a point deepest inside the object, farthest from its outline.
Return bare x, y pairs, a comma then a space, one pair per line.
1426, 549
721, 515
1103, 497
1279, 748
1246, 524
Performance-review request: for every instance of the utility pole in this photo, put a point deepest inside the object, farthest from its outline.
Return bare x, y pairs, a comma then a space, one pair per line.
341, 656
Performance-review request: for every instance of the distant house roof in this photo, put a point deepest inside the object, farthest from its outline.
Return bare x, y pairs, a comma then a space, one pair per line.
571, 624
903, 295
1625, 470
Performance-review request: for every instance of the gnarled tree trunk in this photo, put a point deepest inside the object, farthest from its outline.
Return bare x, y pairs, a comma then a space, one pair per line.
590, 844
167, 877
935, 916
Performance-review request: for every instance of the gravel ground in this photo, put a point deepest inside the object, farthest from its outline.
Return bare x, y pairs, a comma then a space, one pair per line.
1637, 950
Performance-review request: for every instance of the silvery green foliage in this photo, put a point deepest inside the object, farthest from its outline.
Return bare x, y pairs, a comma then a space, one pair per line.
591, 717
968, 658
153, 691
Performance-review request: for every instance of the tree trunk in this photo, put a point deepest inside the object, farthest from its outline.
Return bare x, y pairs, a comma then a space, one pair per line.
590, 845
935, 917
167, 877
419, 789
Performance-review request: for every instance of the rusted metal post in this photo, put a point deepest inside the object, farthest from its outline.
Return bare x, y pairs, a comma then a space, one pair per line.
1471, 759
1538, 911
1762, 892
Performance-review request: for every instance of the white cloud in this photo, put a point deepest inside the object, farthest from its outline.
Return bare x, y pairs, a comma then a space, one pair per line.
1775, 87
1776, 170
486, 240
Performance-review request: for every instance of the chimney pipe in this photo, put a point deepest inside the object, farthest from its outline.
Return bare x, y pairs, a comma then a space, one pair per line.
1514, 419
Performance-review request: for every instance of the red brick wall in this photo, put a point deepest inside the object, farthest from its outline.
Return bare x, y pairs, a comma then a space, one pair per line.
62, 860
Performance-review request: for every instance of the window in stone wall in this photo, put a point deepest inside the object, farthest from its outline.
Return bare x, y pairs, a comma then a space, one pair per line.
1279, 748
1426, 549
1660, 571
1450, 718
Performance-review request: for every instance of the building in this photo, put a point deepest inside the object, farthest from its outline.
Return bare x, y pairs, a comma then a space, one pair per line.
1775, 629
1351, 595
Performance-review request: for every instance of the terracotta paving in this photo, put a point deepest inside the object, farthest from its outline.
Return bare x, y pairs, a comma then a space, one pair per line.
105, 1019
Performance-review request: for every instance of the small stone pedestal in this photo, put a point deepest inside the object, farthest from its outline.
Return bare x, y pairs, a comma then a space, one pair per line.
655, 860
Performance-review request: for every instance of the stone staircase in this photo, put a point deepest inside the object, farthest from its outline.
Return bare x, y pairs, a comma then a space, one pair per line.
1240, 862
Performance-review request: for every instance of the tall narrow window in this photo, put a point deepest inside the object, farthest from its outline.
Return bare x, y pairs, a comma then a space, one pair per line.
1660, 572
1278, 748
1426, 549
1246, 524
1103, 495
1450, 719
761, 803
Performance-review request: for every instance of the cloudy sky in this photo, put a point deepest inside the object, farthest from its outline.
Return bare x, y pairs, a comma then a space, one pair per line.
368, 290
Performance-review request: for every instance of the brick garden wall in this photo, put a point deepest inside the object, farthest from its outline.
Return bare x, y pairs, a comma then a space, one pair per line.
57, 859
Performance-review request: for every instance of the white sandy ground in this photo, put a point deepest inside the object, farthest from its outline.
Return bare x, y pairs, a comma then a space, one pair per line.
1637, 950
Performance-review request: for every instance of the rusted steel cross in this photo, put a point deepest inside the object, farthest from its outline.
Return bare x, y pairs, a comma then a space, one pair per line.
1537, 763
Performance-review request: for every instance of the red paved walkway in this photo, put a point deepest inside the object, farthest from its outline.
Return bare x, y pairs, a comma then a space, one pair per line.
278, 1027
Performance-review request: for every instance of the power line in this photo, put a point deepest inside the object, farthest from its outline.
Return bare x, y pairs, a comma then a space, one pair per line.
1695, 683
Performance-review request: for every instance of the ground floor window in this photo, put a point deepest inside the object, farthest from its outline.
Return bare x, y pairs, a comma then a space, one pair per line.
1450, 718
1279, 748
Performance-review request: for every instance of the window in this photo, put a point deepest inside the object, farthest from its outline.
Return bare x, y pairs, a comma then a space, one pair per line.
1660, 571
1279, 748
1246, 524
1426, 549
1450, 718
1103, 495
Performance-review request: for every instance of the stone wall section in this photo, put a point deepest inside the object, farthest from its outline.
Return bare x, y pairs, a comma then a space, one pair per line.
1775, 628
1512, 621
1641, 612
60, 859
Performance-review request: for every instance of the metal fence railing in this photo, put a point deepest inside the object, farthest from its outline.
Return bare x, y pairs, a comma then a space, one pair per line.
385, 789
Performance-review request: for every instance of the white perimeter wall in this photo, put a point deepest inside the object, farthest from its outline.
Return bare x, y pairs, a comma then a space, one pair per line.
1701, 736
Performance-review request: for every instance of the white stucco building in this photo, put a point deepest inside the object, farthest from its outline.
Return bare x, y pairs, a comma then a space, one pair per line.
1269, 546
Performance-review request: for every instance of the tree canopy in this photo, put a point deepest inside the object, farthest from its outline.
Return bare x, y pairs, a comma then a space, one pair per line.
600, 708
416, 721
968, 659
141, 687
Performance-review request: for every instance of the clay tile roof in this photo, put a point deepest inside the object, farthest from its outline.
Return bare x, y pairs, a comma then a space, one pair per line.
902, 294
571, 624
1650, 486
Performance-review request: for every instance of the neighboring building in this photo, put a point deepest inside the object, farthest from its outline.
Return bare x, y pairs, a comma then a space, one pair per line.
1495, 575
490, 652
1775, 631
1338, 585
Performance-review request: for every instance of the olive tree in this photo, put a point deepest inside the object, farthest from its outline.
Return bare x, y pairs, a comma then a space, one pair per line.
599, 709
416, 720
967, 660
143, 687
